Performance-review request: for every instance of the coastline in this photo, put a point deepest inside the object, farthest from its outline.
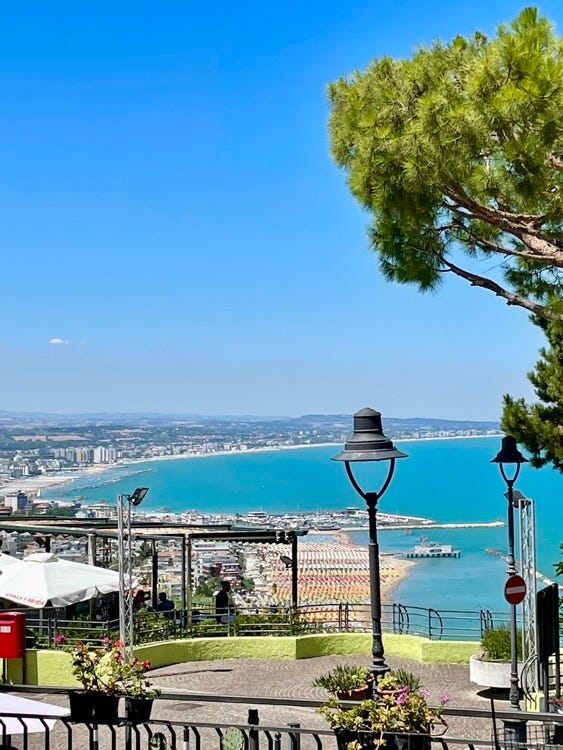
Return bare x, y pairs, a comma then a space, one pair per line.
33, 484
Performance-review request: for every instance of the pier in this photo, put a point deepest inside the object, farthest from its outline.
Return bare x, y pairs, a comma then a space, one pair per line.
432, 553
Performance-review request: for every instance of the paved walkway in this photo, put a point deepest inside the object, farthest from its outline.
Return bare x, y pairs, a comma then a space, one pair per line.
289, 679
277, 678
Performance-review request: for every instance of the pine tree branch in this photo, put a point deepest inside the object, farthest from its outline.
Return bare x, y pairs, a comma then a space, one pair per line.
520, 226
489, 245
496, 216
511, 298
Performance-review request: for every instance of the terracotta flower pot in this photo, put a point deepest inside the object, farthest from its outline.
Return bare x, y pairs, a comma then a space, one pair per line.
357, 694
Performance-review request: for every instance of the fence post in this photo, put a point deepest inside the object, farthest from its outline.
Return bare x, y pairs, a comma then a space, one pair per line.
253, 721
294, 738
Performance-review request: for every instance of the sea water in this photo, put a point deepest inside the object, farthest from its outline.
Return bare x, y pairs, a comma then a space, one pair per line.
446, 480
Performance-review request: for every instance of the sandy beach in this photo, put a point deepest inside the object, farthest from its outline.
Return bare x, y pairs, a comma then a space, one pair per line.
32, 485
331, 569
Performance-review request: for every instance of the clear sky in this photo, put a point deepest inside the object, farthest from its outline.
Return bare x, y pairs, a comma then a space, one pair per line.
175, 237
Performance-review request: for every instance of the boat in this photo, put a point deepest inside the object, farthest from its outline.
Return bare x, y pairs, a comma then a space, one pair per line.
431, 549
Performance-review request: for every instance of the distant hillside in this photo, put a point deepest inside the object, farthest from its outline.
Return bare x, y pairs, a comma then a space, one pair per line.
307, 421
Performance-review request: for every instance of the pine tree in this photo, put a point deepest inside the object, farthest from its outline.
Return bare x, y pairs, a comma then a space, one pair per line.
539, 427
457, 155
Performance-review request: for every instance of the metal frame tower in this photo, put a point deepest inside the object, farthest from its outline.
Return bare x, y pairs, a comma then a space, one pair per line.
125, 504
528, 572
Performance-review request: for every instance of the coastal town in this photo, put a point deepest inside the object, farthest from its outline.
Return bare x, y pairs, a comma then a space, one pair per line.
45, 449
38, 453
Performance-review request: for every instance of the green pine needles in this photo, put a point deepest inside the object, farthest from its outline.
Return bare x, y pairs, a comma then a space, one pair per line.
461, 147
457, 155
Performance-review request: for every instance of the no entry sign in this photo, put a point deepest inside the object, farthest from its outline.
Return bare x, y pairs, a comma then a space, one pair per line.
515, 590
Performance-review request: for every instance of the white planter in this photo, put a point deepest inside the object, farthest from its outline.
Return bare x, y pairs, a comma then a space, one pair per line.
494, 674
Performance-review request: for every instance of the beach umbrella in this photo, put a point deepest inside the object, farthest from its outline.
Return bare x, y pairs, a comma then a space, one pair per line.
43, 577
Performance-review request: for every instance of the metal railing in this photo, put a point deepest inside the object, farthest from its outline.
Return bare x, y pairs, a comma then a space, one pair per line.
308, 618
247, 732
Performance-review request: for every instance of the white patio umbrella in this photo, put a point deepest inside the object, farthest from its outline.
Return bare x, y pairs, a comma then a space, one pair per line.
14, 709
43, 577
7, 560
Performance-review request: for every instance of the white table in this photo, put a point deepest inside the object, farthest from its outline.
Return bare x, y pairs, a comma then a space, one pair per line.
14, 709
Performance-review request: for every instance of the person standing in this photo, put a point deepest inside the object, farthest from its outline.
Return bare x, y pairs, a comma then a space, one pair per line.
164, 604
222, 601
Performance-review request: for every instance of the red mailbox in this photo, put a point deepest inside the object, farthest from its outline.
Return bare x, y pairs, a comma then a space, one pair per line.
12, 635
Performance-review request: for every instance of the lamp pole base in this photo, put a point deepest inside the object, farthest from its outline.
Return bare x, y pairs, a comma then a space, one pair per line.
514, 733
379, 668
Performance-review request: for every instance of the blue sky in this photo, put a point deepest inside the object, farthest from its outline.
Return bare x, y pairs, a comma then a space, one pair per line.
175, 237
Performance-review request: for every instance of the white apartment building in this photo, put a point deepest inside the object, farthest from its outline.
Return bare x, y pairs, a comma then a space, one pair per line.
101, 455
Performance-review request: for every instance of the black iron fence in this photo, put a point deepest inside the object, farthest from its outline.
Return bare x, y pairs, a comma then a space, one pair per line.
249, 732
50, 631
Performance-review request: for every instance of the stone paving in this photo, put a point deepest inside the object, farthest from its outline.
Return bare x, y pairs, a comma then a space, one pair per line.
285, 679
292, 679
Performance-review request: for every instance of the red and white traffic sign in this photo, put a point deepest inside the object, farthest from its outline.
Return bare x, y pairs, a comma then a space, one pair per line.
515, 589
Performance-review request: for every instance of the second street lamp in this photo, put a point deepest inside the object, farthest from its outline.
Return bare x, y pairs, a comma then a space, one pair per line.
368, 443
510, 455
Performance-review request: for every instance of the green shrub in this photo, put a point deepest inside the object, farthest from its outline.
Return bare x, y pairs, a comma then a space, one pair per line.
343, 678
404, 677
495, 643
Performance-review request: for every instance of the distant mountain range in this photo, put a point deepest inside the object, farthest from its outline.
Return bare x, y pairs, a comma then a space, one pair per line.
307, 421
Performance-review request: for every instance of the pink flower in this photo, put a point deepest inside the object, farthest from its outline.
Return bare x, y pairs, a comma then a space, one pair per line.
445, 698
60, 639
147, 664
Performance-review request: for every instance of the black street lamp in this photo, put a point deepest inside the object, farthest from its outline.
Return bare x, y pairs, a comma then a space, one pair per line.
509, 454
368, 443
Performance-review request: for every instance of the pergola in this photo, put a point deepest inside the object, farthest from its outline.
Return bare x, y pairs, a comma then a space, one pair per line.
153, 531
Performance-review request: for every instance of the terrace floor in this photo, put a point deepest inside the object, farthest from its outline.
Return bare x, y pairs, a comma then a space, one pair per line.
289, 679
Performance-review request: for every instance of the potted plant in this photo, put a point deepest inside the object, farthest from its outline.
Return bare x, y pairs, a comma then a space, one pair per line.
138, 690
346, 682
398, 716
100, 672
491, 666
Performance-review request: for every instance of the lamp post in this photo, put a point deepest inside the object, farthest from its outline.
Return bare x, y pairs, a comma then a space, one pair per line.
368, 443
510, 455
125, 567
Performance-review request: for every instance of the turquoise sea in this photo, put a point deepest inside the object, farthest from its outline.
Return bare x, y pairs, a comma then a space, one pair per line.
446, 480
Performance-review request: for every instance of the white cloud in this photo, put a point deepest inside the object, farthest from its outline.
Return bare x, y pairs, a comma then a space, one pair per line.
59, 341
